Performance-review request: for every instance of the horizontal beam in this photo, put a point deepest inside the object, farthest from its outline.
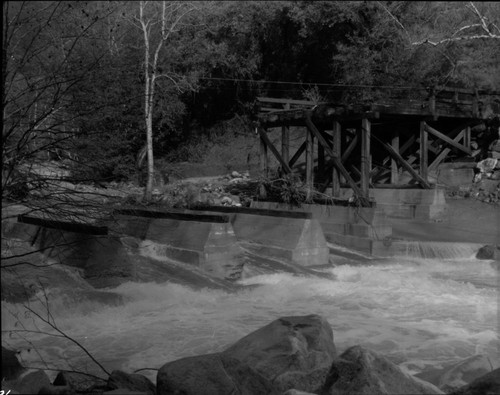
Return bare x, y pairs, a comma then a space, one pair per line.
179, 215
66, 226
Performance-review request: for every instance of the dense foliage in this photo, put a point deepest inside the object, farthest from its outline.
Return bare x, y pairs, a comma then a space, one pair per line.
73, 72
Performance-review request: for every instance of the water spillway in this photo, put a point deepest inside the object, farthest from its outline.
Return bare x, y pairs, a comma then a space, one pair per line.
420, 313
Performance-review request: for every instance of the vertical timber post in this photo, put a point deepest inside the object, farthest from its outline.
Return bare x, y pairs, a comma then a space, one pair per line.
394, 164
365, 156
424, 154
285, 140
263, 157
309, 162
467, 137
321, 160
336, 150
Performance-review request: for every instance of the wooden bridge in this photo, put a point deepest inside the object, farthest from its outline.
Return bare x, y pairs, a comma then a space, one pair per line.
389, 140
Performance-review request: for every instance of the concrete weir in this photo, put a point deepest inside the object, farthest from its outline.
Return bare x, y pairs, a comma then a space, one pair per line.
412, 203
206, 241
352, 227
290, 235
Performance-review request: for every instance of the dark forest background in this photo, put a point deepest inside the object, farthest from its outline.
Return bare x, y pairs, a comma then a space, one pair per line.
73, 73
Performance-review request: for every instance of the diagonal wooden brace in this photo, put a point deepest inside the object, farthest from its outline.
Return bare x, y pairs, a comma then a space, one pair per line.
273, 149
336, 161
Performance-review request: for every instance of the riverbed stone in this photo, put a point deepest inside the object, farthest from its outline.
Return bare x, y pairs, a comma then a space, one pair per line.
79, 382
211, 374
489, 252
31, 383
359, 371
133, 382
461, 373
489, 384
11, 367
292, 352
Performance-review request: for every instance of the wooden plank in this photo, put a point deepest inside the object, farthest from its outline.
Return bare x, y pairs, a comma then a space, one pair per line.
444, 153
62, 225
336, 148
299, 152
394, 163
180, 215
365, 155
406, 165
336, 161
448, 140
424, 153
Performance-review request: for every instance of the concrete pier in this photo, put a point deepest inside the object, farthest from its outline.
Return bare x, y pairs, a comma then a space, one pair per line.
291, 235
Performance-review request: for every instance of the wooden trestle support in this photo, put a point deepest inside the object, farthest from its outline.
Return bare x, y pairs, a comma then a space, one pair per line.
376, 145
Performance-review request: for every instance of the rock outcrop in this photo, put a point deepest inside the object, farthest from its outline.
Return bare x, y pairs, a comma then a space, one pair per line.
291, 352
11, 368
119, 380
212, 374
489, 384
359, 371
459, 374
489, 252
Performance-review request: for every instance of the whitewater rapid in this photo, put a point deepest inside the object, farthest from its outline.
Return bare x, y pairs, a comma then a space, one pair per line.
419, 313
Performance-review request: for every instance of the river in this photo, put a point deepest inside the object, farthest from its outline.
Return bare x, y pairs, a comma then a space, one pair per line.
420, 313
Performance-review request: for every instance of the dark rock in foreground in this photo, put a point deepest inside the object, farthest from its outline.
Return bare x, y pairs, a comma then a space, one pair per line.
31, 383
11, 368
489, 252
212, 374
459, 374
291, 352
488, 384
79, 382
133, 382
359, 371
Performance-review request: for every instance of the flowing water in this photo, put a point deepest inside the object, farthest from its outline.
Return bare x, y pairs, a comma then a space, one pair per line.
420, 313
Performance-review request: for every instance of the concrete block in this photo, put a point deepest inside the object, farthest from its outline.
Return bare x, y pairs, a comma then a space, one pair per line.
211, 246
455, 177
279, 234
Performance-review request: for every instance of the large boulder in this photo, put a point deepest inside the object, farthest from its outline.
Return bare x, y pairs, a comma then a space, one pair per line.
459, 374
359, 371
489, 252
31, 383
211, 374
79, 382
134, 382
489, 384
291, 352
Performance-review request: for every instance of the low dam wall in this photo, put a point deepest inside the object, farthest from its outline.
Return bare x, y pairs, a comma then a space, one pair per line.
292, 235
206, 241
407, 203
348, 226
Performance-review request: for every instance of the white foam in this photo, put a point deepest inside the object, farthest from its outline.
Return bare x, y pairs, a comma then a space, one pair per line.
415, 312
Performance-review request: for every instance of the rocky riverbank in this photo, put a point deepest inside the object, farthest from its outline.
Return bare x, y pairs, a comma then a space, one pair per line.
291, 355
